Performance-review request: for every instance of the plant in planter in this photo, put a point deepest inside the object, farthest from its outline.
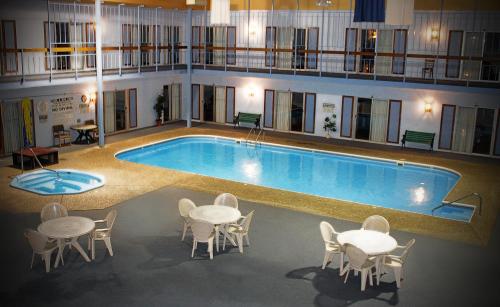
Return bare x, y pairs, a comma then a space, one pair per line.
158, 107
330, 125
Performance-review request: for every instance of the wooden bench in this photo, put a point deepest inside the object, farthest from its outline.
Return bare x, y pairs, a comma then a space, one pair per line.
250, 118
47, 156
418, 137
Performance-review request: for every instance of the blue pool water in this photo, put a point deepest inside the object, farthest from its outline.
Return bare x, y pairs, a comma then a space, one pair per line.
368, 181
65, 181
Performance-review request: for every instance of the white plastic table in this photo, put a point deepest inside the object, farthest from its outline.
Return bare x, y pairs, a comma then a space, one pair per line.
373, 243
217, 215
68, 227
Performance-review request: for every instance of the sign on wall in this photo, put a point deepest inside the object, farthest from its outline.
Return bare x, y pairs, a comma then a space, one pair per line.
328, 107
62, 110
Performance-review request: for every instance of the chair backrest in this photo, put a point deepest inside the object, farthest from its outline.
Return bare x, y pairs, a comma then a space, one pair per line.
110, 218
37, 240
409, 245
185, 206
327, 232
226, 199
245, 224
52, 211
377, 223
357, 257
202, 230
429, 63
57, 128
89, 122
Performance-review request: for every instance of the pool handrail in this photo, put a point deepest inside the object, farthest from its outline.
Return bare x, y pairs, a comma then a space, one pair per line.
40, 164
453, 203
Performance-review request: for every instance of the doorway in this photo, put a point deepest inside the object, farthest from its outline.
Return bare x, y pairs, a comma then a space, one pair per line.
120, 110
297, 111
208, 103
364, 107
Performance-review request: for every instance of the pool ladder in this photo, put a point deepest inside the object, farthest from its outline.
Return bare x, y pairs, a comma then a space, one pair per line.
453, 203
253, 132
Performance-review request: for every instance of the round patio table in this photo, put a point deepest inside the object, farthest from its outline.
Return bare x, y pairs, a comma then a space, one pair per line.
84, 133
217, 215
373, 243
68, 227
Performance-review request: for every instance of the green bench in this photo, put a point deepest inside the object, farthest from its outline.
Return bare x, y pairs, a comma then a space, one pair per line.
418, 137
249, 118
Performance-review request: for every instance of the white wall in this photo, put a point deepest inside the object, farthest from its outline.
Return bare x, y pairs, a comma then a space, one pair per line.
330, 90
148, 87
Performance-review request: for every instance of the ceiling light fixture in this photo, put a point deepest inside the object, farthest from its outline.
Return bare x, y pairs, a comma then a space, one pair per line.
324, 3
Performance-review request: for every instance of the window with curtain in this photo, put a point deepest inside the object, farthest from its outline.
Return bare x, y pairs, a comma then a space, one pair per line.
270, 44
312, 45
310, 112
90, 43
268, 109
11, 123
473, 47
230, 104
175, 113
398, 62
9, 58
231, 45
132, 107
129, 33
283, 110
346, 118
173, 40
384, 45
394, 121
220, 42
447, 123
196, 42
351, 36
463, 136
195, 101
284, 41
58, 36
378, 120
454, 49
220, 104
109, 111
496, 148
77, 35
368, 43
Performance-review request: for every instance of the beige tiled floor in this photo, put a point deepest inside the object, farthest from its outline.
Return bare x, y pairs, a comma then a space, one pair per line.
125, 180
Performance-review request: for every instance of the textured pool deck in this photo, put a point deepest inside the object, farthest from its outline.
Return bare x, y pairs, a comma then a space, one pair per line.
126, 180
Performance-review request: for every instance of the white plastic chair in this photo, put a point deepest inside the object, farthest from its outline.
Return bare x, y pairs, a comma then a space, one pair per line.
376, 223
203, 232
397, 262
332, 246
240, 231
53, 210
41, 245
358, 261
103, 234
226, 199
185, 206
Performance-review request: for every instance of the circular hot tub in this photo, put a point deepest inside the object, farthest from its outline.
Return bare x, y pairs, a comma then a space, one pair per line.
57, 182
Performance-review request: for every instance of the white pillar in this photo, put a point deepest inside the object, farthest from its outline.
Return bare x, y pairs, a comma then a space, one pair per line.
98, 65
189, 31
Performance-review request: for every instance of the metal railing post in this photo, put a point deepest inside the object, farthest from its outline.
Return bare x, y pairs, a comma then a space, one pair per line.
172, 48
296, 38
50, 41
139, 38
321, 41
156, 40
248, 36
271, 54
75, 55
120, 42
439, 41
22, 66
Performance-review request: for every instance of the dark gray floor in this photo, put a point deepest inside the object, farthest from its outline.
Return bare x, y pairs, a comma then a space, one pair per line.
152, 267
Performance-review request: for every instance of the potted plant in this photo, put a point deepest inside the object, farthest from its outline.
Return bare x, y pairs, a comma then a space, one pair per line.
330, 125
158, 107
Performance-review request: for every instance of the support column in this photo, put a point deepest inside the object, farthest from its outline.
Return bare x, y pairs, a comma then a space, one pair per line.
98, 65
189, 23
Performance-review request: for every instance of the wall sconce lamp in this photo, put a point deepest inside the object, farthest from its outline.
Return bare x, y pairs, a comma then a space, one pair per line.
428, 107
374, 35
434, 34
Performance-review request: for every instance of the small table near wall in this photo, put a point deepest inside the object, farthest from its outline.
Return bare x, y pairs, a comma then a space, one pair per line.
84, 136
46, 156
